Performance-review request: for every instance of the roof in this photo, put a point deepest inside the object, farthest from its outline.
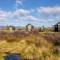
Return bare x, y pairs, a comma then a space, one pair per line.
11, 26
28, 24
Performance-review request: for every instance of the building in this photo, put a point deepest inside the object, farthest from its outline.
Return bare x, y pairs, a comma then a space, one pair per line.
29, 27
57, 27
11, 28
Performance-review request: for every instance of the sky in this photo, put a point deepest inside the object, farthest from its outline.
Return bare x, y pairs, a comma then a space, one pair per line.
36, 12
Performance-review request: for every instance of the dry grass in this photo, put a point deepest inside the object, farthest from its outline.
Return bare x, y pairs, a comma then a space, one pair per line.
31, 46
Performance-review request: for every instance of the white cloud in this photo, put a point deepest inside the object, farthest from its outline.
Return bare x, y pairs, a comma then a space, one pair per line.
18, 2
49, 14
33, 18
19, 14
49, 10
27, 15
4, 15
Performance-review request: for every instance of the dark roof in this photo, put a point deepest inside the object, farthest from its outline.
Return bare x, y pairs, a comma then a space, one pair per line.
29, 24
11, 26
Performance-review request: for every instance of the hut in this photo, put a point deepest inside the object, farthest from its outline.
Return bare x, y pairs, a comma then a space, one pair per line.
57, 27
11, 28
29, 27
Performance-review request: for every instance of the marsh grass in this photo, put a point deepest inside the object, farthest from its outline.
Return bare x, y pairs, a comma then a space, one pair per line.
31, 46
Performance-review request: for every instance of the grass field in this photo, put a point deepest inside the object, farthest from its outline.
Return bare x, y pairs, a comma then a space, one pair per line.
31, 46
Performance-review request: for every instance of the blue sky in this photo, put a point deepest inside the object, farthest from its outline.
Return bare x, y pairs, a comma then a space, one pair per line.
35, 12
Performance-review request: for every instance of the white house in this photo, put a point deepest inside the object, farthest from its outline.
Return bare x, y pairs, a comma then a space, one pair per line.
11, 28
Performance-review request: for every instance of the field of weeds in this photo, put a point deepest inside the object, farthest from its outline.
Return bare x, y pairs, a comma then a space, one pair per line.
31, 46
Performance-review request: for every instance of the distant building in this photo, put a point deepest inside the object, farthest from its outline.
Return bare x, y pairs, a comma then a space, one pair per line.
42, 29
11, 28
57, 27
29, 27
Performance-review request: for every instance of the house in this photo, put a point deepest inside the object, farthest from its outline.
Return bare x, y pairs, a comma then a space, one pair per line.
57, 27
11, 28
29, 27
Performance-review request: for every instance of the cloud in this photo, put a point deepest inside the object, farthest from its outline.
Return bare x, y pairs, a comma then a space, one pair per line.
4, 15
49, 14
37, 17
33, 18
49, 10
19, 2
19, 14
23, 14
